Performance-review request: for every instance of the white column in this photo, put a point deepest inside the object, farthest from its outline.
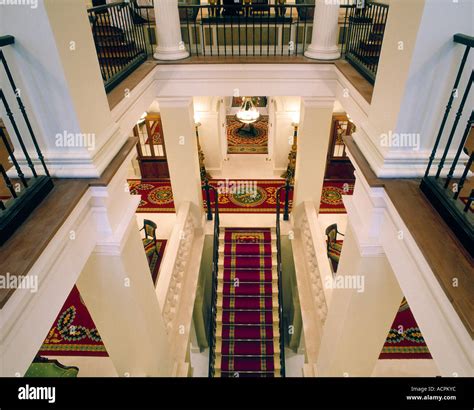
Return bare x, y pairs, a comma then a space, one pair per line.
51, 66
408, 103
363, 306
118, 291
325, 32
207, 113
312, 146
177, 116
168, 31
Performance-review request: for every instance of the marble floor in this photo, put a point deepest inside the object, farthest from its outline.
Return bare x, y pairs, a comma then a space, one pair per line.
247, 166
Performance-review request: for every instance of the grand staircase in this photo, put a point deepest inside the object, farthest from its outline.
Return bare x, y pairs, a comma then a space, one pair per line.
247, 323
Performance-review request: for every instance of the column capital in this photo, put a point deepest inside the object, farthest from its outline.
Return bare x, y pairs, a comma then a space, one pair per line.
318, 102
174, 102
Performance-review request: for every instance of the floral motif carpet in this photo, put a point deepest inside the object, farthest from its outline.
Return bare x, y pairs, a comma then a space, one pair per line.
238, 143
237, 196
331, 197
74, 332
404, 340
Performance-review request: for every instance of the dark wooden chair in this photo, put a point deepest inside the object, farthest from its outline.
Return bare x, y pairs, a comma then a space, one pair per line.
232, 8
333, 247
260, 6
149, 241
44, 367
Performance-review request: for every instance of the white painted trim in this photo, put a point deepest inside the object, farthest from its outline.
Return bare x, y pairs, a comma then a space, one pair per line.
376, 228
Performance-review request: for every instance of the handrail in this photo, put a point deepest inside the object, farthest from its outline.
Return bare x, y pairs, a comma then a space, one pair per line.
215, 260
245, 25
32, 191
363, 32
6, 40
287, 187
120, 40
443, 189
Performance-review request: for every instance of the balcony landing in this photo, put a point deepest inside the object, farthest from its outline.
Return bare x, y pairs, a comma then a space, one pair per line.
22, 250
443, 252
352, 75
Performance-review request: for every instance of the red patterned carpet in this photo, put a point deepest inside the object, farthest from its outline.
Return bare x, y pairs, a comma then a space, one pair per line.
247, 312
405, 341
74, 332
241, 144
239, 196
331, 197
157, 196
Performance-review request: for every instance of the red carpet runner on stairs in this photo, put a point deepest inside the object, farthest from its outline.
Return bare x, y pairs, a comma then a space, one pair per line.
247, 343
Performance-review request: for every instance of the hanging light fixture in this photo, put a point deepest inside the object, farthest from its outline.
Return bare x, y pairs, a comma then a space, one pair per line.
247, 112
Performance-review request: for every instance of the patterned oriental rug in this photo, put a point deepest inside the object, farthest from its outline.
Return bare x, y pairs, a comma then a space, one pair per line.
239, 196
74, 332
404, 340
238, 143
331, 197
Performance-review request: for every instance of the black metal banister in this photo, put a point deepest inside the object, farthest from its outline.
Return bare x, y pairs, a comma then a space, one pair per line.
243, 28
23, 200
215, 267
287, 188
445, 195
119, 38
363, 33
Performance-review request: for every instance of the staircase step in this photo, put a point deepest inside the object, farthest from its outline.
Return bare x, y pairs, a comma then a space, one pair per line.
228, 289
221, 373
239, 262
252, 347
249, 302
254, 332
247, 317
247, 364
248, 275
254, 249
249, 236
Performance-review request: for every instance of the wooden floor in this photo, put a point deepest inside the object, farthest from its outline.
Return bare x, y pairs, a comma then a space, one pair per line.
118, 93
444, 253
26, 245
356, 79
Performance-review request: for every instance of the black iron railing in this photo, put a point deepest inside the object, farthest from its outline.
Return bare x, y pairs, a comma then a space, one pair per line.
256, 29
120, 40
448, 188
215, 268
282, 326
25, 193
362, 36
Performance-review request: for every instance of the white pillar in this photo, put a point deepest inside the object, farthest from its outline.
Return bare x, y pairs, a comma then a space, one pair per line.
325, 32
168, 31
52, 65
207, 113
360, 313
312, 146
177, 116
118, 290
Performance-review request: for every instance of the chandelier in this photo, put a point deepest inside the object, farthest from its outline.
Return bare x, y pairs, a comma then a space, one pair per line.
247, 112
